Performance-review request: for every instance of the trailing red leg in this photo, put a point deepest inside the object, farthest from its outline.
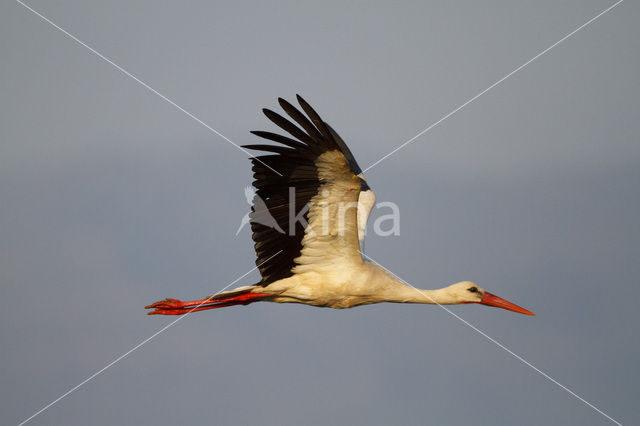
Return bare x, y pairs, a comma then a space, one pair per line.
177, 307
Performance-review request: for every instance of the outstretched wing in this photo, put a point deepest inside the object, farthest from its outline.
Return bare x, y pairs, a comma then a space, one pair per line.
310, 186
366, 199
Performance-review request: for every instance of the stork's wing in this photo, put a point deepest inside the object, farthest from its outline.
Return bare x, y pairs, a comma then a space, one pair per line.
366, 199
313, 196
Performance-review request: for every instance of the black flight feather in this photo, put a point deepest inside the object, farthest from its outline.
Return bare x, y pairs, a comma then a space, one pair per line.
276, 251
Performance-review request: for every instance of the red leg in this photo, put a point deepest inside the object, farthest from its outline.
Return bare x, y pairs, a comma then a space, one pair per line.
178, 304
177, 307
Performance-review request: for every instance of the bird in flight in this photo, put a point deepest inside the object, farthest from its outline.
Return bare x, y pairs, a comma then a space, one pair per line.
313, 188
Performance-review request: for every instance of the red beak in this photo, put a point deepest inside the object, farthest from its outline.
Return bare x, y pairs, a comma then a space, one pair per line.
498, 302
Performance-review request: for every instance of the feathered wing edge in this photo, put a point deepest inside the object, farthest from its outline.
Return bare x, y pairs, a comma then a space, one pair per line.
294, 160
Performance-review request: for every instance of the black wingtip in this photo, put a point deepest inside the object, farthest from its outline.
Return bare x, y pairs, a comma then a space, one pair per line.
284, 104
309, 110
271, 115
301, 100
315, 117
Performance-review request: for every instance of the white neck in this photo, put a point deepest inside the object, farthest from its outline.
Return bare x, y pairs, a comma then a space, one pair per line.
402, 293
395, 291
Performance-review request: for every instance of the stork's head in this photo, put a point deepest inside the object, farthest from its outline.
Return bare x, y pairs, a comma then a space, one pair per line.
468, 292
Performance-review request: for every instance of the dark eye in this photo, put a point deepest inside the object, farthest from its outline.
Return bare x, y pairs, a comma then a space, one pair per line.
473, 289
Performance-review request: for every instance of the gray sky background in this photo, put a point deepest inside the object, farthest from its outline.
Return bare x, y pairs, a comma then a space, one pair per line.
111, 199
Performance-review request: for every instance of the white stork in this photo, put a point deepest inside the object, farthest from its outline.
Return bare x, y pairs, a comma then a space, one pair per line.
316, 192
